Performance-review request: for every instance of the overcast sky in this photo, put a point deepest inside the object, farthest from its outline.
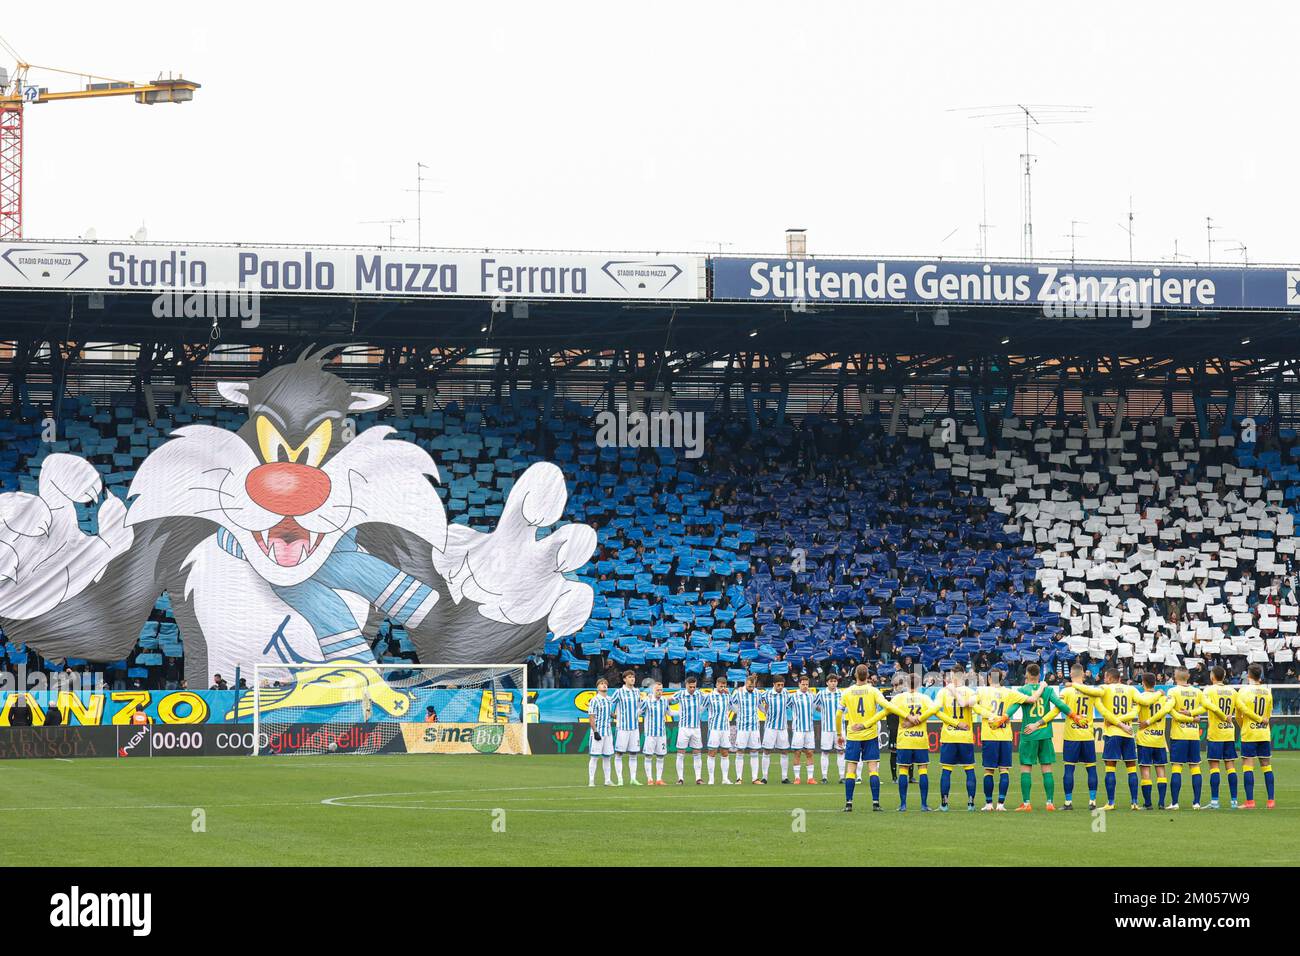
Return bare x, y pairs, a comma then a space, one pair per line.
673, 125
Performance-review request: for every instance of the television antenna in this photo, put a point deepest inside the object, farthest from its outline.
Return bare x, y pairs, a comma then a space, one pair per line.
1030, 118
1129, 229
390, 223
419, 190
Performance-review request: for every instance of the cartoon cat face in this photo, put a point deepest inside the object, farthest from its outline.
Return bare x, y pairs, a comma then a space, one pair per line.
289, 483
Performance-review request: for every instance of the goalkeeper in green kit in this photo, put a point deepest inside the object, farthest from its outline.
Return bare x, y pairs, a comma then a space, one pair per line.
1036, 744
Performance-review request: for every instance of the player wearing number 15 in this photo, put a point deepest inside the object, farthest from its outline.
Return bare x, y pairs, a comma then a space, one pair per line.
858, 722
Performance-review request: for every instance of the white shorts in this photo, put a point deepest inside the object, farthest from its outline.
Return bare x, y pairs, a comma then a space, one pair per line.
774, 739
603, 747
655, 746
748, 740
802, 740
720, 738
689, 738
828, 739
628, 741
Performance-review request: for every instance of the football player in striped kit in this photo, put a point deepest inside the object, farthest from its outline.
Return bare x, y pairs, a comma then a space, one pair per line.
719, 715
627, 708
599, 711
803, 704
828, 705
689, 706
654, 709
776, 734
745, 702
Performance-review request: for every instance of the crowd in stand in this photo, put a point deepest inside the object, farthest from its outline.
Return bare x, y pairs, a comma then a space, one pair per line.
809, 547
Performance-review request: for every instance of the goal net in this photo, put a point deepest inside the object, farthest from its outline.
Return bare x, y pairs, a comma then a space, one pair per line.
349, 707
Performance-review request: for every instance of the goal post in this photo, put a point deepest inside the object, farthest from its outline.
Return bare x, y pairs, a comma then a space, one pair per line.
395, 707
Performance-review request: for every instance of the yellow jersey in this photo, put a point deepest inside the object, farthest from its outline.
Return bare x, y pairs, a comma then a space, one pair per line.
959, 705
912, 704
1254, 708
1118, 704
1153, 706
1080, 702
861, 706
997, 701
1187, 705
1220, 703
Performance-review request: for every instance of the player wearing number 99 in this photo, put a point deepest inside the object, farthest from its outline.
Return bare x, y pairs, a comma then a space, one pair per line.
861, 709
1118, 706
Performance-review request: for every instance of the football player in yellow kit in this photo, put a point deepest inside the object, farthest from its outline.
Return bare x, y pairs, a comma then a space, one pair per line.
1255, 712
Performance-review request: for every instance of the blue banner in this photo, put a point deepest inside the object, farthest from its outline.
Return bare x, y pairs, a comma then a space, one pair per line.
1051, 286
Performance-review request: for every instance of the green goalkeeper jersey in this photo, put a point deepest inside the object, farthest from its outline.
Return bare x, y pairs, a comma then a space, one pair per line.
1037, 710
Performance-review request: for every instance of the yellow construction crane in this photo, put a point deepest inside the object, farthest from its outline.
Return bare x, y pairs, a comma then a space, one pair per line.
18, 91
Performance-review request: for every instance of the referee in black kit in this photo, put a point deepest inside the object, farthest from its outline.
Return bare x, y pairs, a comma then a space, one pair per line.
898, 687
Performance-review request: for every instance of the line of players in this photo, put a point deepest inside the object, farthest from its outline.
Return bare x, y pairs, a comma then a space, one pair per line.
1133, 733
788, 728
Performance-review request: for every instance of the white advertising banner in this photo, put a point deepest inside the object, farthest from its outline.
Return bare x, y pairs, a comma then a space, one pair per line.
355, 271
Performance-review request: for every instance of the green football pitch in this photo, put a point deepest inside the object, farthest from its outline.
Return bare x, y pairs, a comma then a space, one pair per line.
503, 811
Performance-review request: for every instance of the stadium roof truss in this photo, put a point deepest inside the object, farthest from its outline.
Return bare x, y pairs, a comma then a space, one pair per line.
968, 363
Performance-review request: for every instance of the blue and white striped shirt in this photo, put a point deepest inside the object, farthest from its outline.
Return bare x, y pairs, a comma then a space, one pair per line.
775, 705
745, 703
627, 702
719, 705
688, 710
802, 706
655, 710
828, 704
598, 714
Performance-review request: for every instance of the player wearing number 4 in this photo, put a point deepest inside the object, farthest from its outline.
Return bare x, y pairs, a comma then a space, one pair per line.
861, 709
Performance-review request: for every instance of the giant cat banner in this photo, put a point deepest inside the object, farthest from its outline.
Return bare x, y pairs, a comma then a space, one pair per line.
286, 540
338, 270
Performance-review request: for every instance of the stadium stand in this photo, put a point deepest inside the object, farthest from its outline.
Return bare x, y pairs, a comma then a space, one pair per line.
810, 547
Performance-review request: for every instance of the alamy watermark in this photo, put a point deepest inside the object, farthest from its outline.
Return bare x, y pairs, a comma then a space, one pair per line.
657, 429
214, 304
1138, 313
